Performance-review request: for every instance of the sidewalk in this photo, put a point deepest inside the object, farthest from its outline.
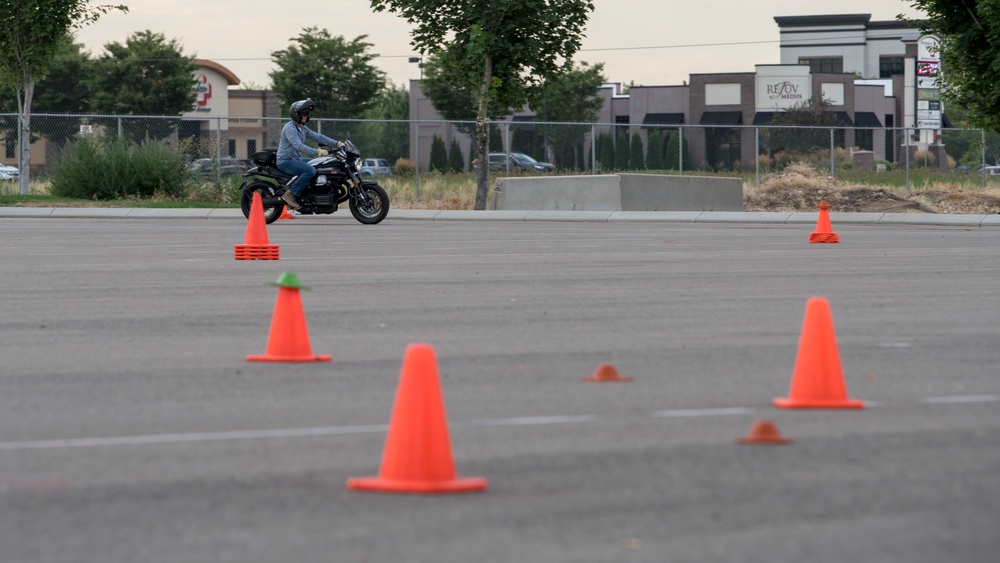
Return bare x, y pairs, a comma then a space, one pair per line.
936, 219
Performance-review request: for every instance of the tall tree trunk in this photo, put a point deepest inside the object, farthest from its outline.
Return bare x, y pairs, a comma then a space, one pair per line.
24, 134
483, 136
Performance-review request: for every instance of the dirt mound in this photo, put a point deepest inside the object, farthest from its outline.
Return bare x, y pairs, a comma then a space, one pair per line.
800, 188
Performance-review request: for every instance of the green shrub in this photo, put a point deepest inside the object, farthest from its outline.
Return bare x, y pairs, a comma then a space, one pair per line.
439, 155
636, 160
94, 168
456, 162
654, 150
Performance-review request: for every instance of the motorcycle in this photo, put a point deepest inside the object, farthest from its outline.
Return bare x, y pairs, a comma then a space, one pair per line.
336, 181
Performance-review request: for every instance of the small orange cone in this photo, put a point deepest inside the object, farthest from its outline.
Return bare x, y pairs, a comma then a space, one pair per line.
255, 243
764, 432
606, 373
818, 380
417, 456
289, 337
824, 232
285, 213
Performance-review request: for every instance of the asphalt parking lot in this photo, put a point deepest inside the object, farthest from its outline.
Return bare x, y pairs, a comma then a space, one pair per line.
132, 428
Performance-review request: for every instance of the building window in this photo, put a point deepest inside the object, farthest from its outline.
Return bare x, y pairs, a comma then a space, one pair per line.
890, 66
251, 146
232, 147
864, 139
829, 65
9, 146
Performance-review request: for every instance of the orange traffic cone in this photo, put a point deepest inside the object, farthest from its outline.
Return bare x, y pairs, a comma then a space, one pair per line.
606, 373
417, 456
818, 381
255, 244
289, 338
824, 232
285, 213
764, 432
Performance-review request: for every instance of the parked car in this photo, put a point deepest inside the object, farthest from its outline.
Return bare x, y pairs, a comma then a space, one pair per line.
8, 172
375, 167
206, 167
516, 162
992, 170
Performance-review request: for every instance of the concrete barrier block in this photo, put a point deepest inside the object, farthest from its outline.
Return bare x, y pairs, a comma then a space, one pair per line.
658, 192
558, 193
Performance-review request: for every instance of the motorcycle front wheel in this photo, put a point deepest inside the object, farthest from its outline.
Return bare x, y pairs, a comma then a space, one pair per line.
266, 190
373, 208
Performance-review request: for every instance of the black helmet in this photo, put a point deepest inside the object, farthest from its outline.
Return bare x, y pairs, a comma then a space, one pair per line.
299, 109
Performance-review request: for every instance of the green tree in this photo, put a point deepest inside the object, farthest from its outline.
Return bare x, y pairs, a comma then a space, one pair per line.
968, 33
443, 86
148, 75
810, 113
30, 36
671, 158
621, 150
636, 160
654, 150
605, 152
505, 51
456, 162
334, 73
439, 155
387, 135
570, 97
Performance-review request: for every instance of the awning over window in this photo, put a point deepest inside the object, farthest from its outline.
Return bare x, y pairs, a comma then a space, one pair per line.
662, 119
763, 117
721, 118
843, 119
866, 119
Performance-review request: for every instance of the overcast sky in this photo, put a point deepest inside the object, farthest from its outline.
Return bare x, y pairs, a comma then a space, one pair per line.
646, 42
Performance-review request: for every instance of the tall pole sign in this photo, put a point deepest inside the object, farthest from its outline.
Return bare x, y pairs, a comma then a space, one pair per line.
928, 89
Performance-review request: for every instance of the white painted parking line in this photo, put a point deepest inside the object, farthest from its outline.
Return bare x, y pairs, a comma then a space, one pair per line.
685, 413
191, 437
381, 428
960, 399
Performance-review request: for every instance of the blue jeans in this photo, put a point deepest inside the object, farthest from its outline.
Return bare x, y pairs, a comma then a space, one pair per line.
302, 169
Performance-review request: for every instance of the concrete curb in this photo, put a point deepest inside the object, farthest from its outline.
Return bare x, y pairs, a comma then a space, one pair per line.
764, 217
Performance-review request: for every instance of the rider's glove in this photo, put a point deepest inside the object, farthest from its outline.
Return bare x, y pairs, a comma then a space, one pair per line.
323, 152
340, 144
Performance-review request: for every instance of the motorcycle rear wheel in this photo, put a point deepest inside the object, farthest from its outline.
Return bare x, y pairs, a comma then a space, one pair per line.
377, 207
266, 190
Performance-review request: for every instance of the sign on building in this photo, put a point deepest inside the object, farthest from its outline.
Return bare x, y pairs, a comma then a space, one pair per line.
928, 88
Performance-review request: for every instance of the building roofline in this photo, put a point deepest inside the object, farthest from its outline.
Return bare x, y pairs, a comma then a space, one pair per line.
824, 20
231, 78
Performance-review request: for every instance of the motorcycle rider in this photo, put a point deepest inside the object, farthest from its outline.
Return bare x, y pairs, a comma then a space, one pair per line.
292, 145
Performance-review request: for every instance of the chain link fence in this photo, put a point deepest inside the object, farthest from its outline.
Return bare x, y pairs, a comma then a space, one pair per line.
413, 148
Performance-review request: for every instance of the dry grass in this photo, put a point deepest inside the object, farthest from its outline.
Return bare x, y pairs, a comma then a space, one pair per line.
800, 188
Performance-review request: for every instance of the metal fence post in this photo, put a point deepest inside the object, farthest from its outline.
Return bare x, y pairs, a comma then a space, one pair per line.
119, 127
416, 154
833, 156
756, 154
906, 135
593, 149
982, 152
680, 149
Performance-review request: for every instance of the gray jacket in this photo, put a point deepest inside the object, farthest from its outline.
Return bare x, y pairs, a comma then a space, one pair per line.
292, 143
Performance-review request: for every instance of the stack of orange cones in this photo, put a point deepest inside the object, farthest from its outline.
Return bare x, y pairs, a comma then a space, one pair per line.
255, 244
824, 232
606, 373
417, 456
289, 338
764, 432
818, 380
